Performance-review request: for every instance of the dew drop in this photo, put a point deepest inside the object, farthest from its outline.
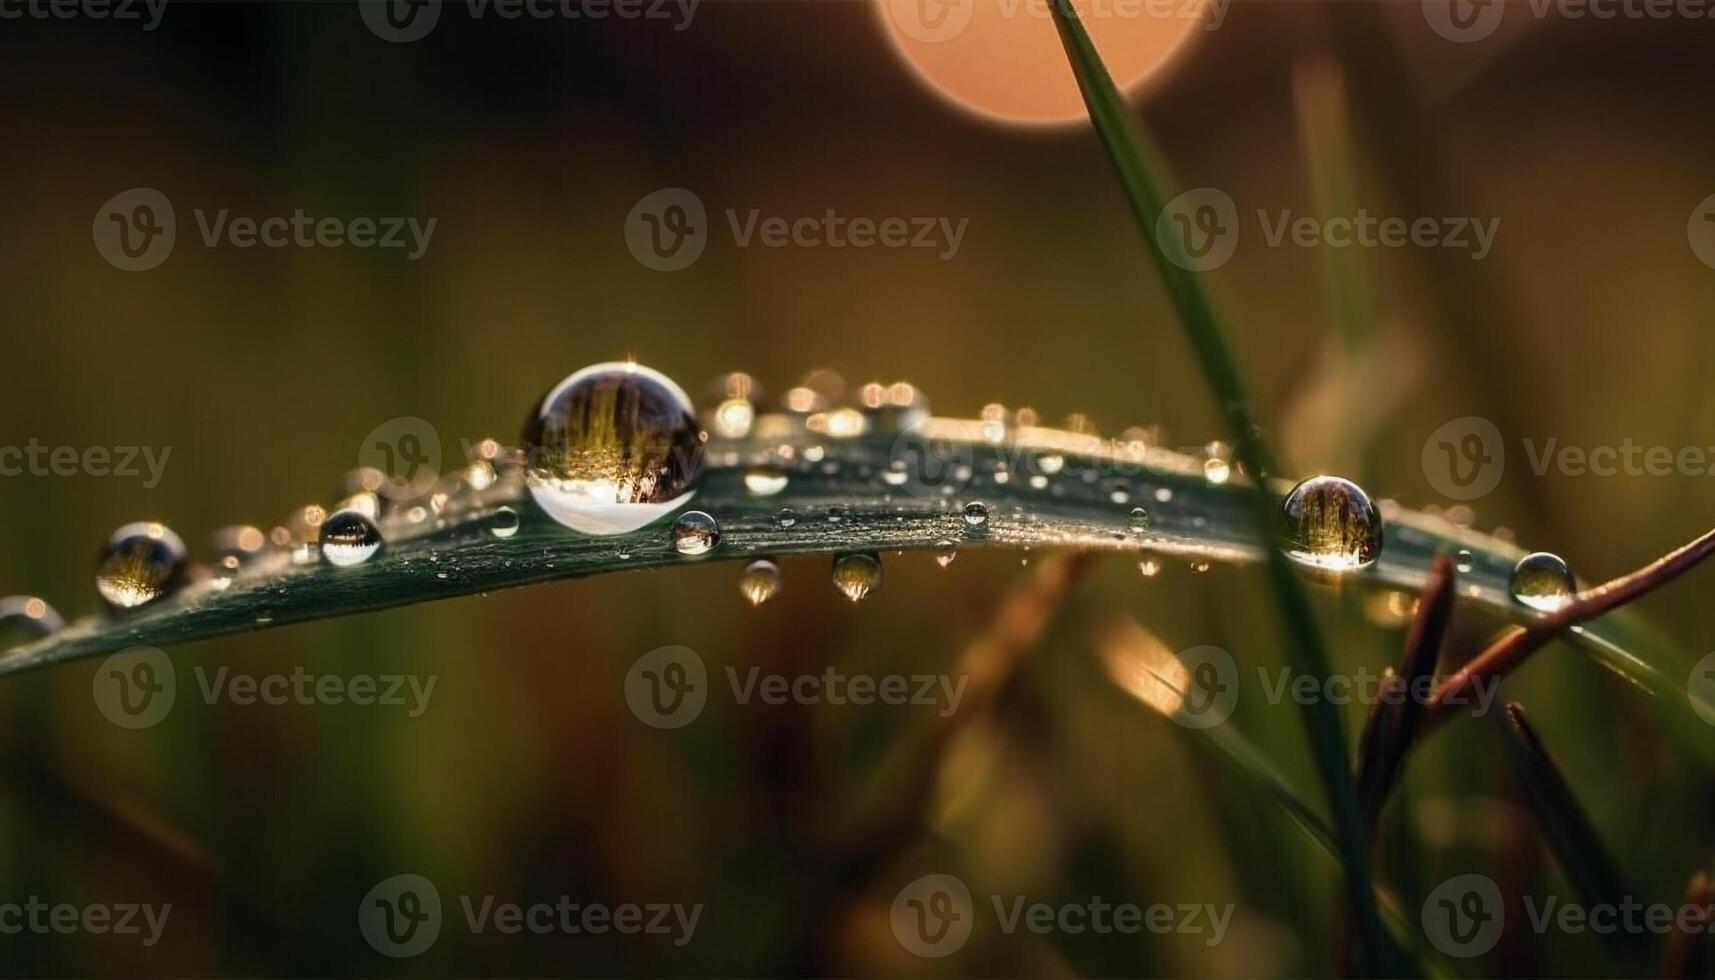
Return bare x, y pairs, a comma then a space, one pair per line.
1051, 463
1216, 470
29, 616
785, 518
765, 481
612, 448
1139, 520
976, 513
945, 552
235, 547
1199, 566
857, 575
1542, 581
695, 533
349, 538
141, 563
480, 475
1329, 523
760, 581
1464, 561
1149, 567
503, 523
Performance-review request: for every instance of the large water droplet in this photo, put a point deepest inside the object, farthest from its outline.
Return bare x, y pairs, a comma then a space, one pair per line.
349, 537
141, 563
612, 448
760, 581
503, 523
695, 533
1329, 523
29, 616
764, 480
1542, 581
857, 575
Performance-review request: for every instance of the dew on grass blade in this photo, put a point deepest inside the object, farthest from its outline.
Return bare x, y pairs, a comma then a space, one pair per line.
1464, 561
857, 574
28, 615
695, 533
349, 538
612, 448
760, 581
1542, 581
503, 523
1330, 523
141, 563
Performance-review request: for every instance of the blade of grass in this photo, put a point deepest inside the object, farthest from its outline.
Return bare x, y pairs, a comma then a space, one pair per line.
1571, 836
1393, 724
1135, 162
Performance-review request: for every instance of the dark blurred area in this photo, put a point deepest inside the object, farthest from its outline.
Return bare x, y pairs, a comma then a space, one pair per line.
526, 778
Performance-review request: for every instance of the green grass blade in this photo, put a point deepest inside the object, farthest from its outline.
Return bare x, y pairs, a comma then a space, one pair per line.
1135, 162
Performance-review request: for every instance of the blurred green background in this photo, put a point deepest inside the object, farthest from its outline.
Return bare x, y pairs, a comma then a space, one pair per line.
527, 777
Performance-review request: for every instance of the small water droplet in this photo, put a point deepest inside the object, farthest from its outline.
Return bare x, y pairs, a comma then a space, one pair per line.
1163, 494
695, 533
1149, 567
1199, 566
760, 581
503, 523
480, 475
1542, 581
945, 552
1464, 561
612, 448
765, 481
1051, 463
1038, 482
349, 538
976, 513
1216, 470
1139, 520
1119, 492
29, 615
785, 518
857, 575
141, 563
1329, 523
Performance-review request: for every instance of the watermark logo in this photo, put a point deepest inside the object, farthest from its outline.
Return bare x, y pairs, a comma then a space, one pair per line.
1700, 686
35, 459
1464, 21
1464, 458
932, 916
401, 916
668, 229
406, 451
1700, 231
928, 468
1199, 229
931, 21
400, 21
149, 12
135, 230
41, 918
667, 687
135, 688
1208, 687
1464, 916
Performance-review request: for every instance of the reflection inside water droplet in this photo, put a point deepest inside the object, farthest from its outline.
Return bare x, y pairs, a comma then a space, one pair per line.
1329, 523
141, 563
1542, 581
760, 581
695, 533
857, 575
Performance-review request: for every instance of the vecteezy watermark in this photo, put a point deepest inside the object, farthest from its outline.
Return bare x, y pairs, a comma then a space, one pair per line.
404, 21
138, 687
147, 12
1464, 458
35, 459
1200, 230
406, 451
933, 916
1466, 915
1700, 688
668, 687
402, 916
938, 21
136, 230
668, 229
42, 918
1465, 21
1700, 230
